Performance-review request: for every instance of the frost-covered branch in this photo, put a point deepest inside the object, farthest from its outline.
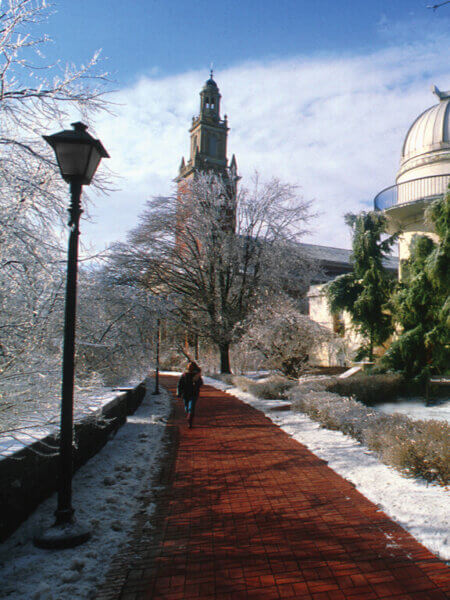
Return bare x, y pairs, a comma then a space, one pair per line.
34, 97
215, 252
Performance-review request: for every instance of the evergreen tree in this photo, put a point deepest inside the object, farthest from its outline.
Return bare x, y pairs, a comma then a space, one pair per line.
364, 293
422, 305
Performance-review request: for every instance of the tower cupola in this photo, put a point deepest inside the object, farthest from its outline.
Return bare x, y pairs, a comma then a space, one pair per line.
209, 133
210, 100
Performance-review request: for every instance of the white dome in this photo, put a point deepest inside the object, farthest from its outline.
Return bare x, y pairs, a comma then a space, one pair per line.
430, 132
424, 173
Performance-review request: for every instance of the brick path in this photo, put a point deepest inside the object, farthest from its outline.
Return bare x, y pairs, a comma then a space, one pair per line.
249, 512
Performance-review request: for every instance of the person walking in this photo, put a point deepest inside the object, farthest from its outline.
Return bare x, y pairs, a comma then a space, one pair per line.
188, 389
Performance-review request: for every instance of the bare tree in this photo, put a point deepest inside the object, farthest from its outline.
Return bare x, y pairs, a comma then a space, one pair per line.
284, 336
34, 96
116, 333
216, 251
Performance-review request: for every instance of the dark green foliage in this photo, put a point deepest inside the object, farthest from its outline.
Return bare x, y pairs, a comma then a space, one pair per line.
438, 264
422, 305
365, 292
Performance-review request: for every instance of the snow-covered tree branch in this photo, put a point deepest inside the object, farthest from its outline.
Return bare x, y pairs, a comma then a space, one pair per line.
283, 336
34, 97
216, 252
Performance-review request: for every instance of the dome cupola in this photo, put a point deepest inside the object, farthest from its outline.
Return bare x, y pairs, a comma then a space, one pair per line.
428, 139
210, 83
423, 176
210, 100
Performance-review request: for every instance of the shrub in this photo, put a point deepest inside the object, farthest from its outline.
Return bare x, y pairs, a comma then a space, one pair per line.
417, 448
420, 448
283, 336
334, 411
369, 389
224, 377
271, 388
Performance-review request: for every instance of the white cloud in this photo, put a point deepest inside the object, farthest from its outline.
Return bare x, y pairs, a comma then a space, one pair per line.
332, 125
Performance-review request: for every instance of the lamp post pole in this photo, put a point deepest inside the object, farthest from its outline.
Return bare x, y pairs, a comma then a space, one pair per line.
64, 512
78, 155
158, 342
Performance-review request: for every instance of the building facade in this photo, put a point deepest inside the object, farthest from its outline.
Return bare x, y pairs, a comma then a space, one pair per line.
423, 176
209, 137
208, 154
333, 262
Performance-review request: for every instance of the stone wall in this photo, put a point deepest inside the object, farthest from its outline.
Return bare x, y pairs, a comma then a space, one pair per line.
30, 476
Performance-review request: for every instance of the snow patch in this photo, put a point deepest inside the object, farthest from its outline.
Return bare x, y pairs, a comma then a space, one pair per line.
107, 493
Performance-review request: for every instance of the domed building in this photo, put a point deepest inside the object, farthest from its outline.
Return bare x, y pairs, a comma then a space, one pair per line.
423, 176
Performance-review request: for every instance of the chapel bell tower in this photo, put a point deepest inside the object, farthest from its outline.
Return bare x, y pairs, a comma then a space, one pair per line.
208, 147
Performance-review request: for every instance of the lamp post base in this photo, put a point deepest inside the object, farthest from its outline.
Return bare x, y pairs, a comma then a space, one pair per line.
65, 535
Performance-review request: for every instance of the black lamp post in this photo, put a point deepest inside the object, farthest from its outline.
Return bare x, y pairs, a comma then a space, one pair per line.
78, 155
158, 342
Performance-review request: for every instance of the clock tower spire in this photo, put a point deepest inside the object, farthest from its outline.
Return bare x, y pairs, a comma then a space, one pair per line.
209, 133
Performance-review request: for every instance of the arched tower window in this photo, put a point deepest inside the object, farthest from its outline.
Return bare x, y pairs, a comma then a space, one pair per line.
212, 145
210, 103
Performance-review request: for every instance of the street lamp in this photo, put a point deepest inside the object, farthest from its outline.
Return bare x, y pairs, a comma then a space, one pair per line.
158, 342
78, 155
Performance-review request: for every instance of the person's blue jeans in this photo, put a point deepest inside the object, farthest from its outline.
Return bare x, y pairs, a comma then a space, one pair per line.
189, 405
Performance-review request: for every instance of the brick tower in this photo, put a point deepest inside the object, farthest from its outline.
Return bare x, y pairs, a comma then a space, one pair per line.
208, 149
208, 153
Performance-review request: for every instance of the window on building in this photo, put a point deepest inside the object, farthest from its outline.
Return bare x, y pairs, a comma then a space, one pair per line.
212, 145
338, 325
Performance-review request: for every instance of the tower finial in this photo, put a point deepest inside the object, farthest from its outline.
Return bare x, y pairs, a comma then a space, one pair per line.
211, 70
439, 94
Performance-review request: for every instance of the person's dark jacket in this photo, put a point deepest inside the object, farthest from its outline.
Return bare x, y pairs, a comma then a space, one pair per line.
189, 385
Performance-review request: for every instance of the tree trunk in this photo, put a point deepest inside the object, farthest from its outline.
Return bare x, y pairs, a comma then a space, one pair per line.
196, 348
371, 345
224, 350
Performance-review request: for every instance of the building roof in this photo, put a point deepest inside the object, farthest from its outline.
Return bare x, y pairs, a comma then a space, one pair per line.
327, 253
337, 261
210, 82
430, 132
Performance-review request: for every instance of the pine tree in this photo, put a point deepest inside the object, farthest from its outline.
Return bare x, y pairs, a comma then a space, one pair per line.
364, 293
422, 305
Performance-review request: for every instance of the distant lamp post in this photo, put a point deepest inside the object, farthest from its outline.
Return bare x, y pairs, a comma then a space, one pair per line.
158, 343
78, 155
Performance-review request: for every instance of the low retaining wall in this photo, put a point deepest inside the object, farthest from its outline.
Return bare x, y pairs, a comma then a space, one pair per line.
30, 476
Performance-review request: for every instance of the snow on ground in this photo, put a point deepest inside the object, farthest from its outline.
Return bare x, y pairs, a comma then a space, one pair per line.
421, 509
42, 418
415, 409
106, 494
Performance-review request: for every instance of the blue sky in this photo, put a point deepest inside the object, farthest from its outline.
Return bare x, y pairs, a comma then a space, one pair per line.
319, 93
164, 37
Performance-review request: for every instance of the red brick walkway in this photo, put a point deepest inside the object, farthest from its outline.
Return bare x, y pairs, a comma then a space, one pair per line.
251, 513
